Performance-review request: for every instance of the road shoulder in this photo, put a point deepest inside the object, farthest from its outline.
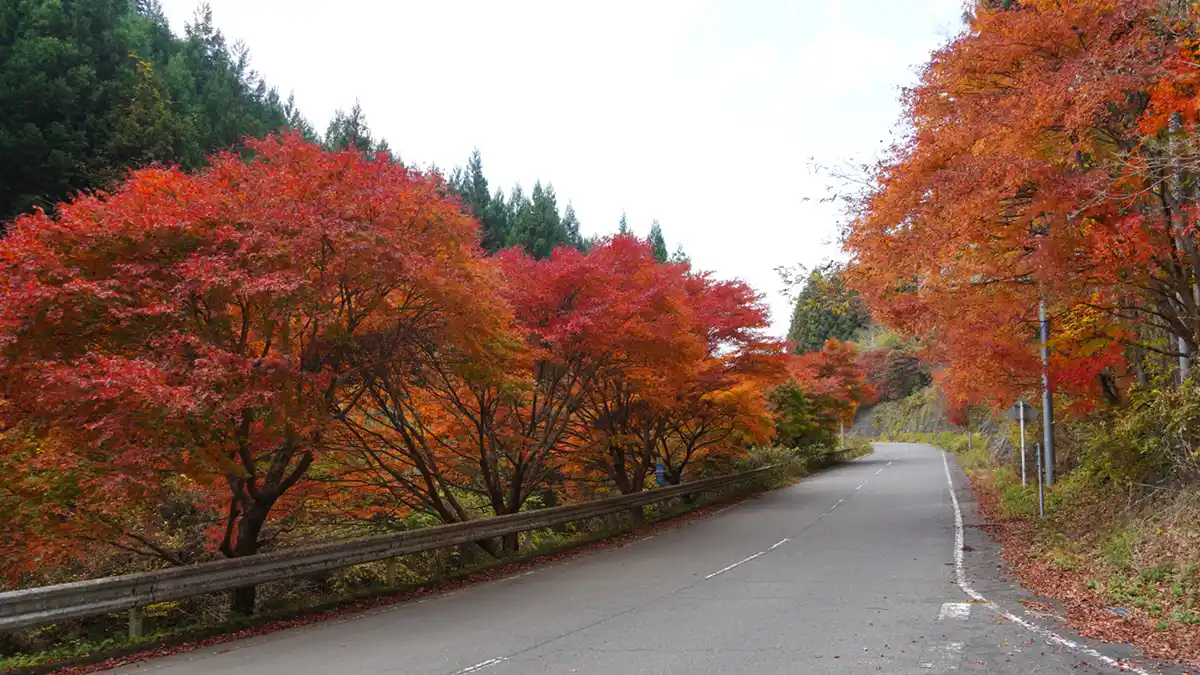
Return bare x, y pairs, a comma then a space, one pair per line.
992, 577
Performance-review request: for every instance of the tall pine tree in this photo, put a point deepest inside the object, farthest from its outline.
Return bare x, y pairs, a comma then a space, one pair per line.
538, 228
350, 130
570, 224
657, 244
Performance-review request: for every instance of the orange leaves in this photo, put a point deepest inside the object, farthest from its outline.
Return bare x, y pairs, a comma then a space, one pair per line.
836, 373
1038, 166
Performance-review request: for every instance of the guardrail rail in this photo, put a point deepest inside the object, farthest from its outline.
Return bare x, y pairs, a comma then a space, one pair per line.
31, 607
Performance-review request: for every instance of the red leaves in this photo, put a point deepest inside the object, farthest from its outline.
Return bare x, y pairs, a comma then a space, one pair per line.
207, 361
208, 327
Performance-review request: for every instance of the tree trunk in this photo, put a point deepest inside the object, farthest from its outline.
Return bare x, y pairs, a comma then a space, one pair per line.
241, 599
676, 478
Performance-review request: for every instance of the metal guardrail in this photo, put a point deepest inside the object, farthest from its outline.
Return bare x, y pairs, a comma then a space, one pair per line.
39, 606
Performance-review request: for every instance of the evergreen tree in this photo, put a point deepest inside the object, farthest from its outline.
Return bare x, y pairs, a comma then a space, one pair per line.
497, 223
475, 186
91, 88
537, 227
213, 83
517, 203
350, 130
825, 309
295, 121
623, 228
570, 224
147, 130
64, 79
679, 256
533, 223
657, 244
473, 189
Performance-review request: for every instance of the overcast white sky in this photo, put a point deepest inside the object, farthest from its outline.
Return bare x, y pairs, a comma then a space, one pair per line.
703, 114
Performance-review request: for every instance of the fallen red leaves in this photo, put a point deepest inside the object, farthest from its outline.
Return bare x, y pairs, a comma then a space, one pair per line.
154, 652
1086, 610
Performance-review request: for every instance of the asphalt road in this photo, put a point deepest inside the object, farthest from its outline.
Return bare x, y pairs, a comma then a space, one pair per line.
849, 571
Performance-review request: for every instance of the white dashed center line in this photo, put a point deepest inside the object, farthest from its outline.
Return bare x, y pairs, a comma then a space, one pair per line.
480, 666
740, 562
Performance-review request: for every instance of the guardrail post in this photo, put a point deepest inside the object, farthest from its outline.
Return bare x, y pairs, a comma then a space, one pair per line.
137, 622
391, 572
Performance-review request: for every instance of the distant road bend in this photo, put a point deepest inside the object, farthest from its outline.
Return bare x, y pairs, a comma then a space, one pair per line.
849, 571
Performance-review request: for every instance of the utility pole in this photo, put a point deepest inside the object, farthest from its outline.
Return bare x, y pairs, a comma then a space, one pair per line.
1047, 396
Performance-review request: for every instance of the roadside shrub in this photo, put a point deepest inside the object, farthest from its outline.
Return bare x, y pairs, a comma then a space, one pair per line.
1153, 441
789, 464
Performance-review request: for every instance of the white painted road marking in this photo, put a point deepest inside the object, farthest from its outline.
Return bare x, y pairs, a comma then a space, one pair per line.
740, 562
777, 544
724, 509
944, 657
955, 610
960, 575
480, 666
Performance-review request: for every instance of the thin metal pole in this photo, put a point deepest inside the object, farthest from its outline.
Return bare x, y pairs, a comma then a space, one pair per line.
1184, 361
1021, 416
1041, 491
1047, 396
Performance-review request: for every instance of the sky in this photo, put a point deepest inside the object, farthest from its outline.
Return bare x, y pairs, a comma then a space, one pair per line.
712, 116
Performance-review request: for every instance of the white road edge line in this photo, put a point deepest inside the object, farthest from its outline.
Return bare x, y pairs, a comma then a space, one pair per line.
781, 542
960, 575
480, 666
723, 510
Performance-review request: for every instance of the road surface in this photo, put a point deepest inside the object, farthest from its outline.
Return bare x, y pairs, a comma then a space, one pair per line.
849, 571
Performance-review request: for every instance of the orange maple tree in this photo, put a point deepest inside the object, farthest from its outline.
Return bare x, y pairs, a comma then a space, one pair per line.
837, 375
1049, 155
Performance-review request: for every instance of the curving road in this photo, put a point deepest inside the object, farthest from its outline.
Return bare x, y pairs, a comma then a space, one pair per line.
849, 571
